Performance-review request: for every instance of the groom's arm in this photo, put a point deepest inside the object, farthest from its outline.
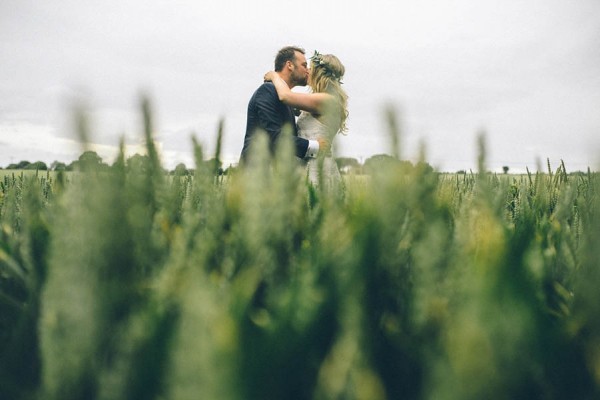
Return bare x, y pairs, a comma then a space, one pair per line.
271, 120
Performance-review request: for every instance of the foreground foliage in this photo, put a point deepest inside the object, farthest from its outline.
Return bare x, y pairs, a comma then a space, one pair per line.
128, 284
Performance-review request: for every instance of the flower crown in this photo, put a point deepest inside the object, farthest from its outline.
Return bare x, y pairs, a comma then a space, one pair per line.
317, 59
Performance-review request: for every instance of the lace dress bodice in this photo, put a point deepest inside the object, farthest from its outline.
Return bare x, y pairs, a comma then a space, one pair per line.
311, 128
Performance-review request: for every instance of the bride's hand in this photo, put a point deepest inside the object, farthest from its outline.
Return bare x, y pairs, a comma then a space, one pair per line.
269, 76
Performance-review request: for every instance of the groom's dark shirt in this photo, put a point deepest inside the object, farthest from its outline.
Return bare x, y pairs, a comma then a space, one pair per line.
267, 113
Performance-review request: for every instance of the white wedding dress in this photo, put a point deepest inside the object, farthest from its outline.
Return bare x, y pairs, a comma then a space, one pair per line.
311, 128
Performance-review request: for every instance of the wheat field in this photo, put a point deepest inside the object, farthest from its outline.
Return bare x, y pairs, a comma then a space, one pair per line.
409, 284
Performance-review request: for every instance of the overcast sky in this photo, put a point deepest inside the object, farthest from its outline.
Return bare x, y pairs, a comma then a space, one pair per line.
525, 72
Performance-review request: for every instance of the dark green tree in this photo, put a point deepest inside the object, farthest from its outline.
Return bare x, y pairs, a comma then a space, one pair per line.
38, 165
58, 166
19, 165
180, 170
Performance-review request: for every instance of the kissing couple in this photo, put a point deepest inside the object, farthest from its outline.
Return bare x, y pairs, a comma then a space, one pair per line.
323, 111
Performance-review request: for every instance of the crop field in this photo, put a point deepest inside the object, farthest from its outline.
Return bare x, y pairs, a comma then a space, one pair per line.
409, 284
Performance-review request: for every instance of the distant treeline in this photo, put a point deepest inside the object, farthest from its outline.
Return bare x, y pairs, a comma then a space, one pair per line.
92, 158
87, 156
347, 165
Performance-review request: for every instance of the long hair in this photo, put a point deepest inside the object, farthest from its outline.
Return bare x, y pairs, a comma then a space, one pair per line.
326, 74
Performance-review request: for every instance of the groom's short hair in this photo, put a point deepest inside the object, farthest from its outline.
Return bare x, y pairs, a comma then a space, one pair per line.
286, 54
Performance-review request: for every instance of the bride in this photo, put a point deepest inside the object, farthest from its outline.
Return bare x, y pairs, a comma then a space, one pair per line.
324, 113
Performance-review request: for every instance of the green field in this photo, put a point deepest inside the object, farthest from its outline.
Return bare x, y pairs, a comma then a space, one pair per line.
17, 173
129, 284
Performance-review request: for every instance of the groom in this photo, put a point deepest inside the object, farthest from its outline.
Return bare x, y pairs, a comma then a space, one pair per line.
267, 113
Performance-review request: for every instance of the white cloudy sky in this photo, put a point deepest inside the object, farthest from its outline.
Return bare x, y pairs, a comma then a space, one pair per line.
524, 71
